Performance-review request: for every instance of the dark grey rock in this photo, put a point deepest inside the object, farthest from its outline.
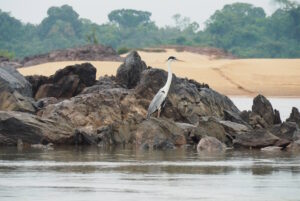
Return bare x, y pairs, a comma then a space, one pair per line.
262, 107
159, 134
255, 139
31, 129
294, 116
15, 91
68, 82
129, 73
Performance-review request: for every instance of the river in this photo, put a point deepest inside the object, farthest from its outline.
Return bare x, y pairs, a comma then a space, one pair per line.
118, 174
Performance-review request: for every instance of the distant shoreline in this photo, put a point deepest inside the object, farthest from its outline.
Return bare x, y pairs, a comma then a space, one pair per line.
232, 77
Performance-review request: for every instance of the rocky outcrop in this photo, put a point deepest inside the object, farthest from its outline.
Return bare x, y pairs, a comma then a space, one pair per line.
294, 116
65, 83
129, 73
15, 91
84, 53
32, 129
74, 108
211, 144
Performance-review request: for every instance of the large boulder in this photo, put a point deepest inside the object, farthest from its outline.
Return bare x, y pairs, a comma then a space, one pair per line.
187, 100
211, 144
262, 107
32, 129
255, 139
159, 134
11, 80
294, 116
68, 82
15, 91
129, 73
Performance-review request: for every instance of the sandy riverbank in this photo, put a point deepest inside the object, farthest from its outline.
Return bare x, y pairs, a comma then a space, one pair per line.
247, 77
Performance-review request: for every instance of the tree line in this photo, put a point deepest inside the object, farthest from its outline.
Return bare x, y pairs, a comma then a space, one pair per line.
240, 28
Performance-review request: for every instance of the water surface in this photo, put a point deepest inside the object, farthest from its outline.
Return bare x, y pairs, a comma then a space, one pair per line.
118, 174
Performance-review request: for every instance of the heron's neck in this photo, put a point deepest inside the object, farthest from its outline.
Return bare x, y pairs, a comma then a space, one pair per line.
169, 80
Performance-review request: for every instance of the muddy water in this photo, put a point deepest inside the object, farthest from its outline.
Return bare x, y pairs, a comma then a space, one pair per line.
118, 174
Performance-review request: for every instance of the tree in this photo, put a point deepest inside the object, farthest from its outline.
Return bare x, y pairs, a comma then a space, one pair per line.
57, 19
128, 18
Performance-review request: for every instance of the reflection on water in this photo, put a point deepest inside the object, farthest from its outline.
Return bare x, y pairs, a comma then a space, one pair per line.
96, 174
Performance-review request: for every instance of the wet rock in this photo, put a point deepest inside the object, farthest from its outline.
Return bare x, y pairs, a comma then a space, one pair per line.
31, 129
212, 128
159, 134
129, 73
294, 116
294, 147
85, 136
255, 139
211, 144
271, 149
68, 82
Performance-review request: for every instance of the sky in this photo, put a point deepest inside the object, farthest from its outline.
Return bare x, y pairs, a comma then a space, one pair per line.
34, 11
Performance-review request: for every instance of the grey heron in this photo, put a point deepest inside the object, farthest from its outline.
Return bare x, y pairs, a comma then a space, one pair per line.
159, 99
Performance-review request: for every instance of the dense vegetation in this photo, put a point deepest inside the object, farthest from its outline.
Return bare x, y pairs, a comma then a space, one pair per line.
239, 28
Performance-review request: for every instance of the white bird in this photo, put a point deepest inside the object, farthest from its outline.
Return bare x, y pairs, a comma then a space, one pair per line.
159, 99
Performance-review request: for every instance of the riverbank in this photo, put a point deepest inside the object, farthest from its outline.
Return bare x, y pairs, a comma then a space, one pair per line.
237, 77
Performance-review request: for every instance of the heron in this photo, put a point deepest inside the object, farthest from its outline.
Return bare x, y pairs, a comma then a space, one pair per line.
159, 99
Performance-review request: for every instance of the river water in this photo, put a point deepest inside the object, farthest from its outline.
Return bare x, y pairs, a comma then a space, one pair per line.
120, 174
88, 174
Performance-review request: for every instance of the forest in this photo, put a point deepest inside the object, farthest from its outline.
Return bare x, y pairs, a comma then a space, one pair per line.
240, 28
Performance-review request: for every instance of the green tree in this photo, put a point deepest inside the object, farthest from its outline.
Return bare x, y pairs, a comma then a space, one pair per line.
129, 18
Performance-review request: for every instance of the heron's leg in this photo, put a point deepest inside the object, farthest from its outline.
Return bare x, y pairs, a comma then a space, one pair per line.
158, 112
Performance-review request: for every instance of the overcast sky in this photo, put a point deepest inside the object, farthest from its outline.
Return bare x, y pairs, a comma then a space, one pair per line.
34, 11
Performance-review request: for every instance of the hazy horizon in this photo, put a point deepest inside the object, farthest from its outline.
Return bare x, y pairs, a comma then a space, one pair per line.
97, 11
